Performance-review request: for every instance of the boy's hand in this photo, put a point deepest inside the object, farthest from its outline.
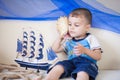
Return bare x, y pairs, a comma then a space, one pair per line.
79, 49
65, 37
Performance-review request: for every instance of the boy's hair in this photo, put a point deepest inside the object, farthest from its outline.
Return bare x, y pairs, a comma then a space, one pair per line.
82, 11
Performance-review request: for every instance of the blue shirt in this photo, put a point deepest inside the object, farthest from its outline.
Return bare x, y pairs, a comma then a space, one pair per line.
89, 42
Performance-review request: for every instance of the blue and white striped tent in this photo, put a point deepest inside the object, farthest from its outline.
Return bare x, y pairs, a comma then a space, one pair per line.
45, 10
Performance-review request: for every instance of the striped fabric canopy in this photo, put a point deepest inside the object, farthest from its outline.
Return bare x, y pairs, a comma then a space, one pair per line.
103, 17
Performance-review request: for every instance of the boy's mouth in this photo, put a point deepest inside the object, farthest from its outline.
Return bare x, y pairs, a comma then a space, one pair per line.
71, 32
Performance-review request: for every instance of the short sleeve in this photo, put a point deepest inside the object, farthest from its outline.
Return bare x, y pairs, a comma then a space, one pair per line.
94, 44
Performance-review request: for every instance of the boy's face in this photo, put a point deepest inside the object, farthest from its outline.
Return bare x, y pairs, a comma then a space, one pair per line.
78, 27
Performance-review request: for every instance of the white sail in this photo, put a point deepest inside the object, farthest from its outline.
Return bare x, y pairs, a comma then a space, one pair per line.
32, 44
41, 47
25, 44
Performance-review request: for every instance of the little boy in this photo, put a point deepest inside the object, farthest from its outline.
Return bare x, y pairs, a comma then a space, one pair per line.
82, 48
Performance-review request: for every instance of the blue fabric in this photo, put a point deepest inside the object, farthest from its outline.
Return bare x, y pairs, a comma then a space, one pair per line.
103, 17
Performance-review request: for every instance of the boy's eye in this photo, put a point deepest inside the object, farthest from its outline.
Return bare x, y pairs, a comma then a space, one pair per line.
69, 24
77, 25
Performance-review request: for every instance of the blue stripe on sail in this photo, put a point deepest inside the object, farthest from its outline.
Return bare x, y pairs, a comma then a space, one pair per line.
25, 37
32, 42
40, 55
41, 46
32, 32
25, 33
32, 48
19, 46
41, 41
31, 54
25, 43
24, 53
41, 38
25, 47
33, 37
51, 55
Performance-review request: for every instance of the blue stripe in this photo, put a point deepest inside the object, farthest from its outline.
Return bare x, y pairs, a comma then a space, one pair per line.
38, 10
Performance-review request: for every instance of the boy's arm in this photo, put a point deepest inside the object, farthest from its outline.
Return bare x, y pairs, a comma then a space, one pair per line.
57, 46
95, 54
95, 48
62, 27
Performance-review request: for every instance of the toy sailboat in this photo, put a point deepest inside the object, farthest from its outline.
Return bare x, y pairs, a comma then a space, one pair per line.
31, 55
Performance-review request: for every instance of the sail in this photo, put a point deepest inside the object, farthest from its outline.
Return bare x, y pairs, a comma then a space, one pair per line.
41, 46
32, 44
25, 43
51, 55
19, 46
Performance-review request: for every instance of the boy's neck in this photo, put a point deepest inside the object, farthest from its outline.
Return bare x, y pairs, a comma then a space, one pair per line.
82, 37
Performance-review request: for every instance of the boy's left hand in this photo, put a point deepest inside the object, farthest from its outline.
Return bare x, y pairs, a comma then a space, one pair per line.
79, 49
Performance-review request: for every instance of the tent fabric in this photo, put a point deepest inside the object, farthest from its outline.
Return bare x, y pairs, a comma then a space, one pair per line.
103, 17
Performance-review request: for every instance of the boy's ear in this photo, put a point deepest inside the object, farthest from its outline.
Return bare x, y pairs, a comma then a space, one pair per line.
88, 27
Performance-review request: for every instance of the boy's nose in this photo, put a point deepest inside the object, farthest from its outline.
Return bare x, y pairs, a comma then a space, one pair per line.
72, 27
